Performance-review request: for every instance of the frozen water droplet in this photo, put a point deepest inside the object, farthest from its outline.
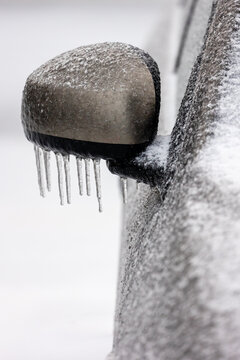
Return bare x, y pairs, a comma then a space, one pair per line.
96, 164
40, 169
66, 160
124, 189
87, 170
60, 177
80, 174
47, 157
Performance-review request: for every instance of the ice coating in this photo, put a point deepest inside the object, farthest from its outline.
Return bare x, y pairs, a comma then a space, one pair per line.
105, 93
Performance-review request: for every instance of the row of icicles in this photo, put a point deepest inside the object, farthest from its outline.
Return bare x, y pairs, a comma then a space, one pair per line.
63, 167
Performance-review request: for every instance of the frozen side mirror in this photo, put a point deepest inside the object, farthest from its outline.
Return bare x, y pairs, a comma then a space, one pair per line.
95, 102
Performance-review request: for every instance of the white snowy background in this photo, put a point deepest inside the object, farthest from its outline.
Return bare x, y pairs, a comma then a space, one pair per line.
58, 265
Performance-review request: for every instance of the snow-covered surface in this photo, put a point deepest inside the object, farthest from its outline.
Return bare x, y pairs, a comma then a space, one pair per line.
90, 71
220, 158
58, 265
179, 285
155, 154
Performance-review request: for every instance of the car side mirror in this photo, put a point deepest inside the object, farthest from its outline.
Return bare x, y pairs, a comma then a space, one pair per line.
95, 102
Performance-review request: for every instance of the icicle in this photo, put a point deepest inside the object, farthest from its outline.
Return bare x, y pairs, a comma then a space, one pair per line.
66, 160
47, 156
96, 164
60, 177
124, 189
137, 185
87, 170
80, 174
40, 170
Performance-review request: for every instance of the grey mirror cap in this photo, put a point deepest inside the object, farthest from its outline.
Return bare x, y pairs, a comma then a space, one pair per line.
104, 94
